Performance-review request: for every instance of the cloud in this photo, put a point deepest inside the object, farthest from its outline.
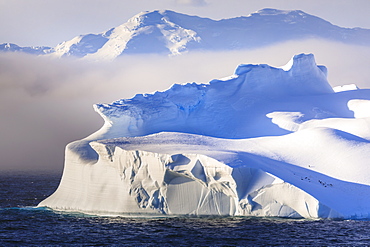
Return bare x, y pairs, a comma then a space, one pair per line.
46, 103
192, 2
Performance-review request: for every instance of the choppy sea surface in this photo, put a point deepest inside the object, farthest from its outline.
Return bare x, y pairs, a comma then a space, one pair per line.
21, 224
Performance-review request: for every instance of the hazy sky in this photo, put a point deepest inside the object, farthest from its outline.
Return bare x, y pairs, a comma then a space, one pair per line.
46, 103
49, 22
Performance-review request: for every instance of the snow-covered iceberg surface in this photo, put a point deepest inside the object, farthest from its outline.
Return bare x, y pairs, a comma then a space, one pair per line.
263, 142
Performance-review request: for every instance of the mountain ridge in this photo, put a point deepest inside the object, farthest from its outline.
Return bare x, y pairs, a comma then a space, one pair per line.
35, 50
171, 33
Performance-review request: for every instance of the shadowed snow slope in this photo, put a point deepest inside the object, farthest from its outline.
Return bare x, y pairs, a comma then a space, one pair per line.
264, 142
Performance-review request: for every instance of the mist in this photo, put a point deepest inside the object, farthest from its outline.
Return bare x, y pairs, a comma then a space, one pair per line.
45, 103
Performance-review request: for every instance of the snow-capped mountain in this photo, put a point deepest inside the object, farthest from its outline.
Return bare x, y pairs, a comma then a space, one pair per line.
35, 50
263, 142
172, 33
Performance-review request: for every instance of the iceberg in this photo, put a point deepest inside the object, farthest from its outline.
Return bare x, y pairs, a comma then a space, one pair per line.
265, 141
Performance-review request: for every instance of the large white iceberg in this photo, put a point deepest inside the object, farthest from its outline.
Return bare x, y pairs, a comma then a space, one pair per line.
263, 142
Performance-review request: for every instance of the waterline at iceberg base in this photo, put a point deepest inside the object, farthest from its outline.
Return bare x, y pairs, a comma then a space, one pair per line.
263, 142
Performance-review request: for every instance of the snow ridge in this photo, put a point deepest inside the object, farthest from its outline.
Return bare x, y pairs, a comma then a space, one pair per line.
188, 102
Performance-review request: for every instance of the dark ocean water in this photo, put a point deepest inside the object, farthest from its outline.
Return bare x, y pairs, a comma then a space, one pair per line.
23, 225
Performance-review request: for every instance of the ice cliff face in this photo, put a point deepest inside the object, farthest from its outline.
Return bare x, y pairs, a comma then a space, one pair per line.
263, 142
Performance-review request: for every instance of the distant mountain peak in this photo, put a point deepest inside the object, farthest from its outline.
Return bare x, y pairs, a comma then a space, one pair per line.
147, 18
172, 33
270, 11
35, 50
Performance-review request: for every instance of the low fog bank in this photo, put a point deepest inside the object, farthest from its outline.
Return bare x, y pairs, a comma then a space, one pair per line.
46, 103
